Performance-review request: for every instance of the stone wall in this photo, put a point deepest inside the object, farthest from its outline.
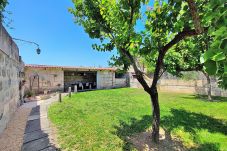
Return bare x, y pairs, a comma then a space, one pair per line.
49, 79
10, 69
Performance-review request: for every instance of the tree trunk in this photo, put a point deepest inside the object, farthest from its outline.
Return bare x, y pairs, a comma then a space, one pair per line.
152, 91
155, 114
208, 86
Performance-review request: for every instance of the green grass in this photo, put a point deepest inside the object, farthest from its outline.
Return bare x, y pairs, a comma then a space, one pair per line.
101, 120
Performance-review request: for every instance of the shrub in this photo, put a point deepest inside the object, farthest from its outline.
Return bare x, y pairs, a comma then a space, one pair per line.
29, 93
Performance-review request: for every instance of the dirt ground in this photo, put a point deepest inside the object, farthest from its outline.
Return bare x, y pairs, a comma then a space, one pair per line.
12, 138
142, 142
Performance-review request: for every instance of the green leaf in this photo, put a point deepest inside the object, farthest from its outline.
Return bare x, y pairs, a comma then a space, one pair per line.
208, 55
219, 56
223, 44
225, 68
225, 71
202, 60
211, 67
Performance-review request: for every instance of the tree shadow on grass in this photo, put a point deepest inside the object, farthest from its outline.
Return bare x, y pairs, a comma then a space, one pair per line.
125, 130
214, 98
204, 98
137, 135
189, 121
192, 122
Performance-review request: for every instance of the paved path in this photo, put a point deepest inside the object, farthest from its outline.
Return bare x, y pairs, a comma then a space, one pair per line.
37, 132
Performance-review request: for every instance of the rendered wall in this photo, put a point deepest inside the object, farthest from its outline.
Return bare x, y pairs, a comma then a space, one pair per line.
105, 79
50, 79
10, 69
173, 84
191, 86
120, 82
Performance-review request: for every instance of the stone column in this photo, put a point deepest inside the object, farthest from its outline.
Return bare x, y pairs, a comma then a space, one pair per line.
70, 91
75, 88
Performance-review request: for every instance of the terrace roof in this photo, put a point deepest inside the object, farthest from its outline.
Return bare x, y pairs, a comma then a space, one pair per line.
70, 67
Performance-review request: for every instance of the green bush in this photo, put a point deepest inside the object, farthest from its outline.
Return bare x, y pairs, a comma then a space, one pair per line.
29, 93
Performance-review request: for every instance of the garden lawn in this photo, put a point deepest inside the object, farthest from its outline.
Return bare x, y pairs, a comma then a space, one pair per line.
102, 119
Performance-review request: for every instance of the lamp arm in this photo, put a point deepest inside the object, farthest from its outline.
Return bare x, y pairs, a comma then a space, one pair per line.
31, 42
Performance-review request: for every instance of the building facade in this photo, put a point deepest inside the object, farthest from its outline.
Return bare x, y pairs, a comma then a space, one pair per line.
40, 78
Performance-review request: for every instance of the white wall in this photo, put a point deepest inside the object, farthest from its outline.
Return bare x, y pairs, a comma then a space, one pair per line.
105, 79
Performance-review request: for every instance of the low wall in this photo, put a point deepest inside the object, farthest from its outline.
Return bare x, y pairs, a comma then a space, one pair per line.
134, 83
10, 71
183, 86
120, 82
179, 85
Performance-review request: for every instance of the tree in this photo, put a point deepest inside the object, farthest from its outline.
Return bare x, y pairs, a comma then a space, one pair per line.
114, 22
3, 4
186, 56
194, 47
215, 59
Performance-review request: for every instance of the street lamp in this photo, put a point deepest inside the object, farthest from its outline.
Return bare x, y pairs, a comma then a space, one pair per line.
38, 51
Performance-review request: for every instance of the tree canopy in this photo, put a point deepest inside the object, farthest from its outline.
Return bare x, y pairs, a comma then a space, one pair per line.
3, 4
166, 24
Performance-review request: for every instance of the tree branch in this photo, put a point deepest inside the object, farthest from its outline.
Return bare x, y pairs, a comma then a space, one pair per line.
159, 65
180, 36
160, 75
130, 22
139, 74
195, 16
197, 68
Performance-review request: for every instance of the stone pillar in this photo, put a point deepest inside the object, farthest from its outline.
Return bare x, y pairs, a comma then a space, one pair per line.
75, 88
82, 86
70, 92
99, 80
60, 99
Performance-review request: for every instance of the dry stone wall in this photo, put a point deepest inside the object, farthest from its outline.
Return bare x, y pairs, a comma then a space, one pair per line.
10, 69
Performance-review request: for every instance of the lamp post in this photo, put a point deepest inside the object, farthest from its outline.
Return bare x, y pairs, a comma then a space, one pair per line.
38, 51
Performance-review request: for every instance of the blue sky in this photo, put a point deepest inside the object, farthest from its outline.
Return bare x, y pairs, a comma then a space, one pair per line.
49, 23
